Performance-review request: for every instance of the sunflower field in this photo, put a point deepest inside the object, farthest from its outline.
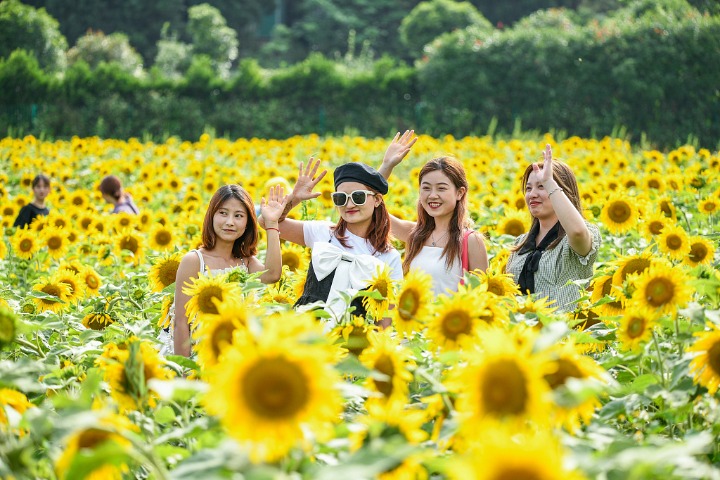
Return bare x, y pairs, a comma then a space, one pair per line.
481, 384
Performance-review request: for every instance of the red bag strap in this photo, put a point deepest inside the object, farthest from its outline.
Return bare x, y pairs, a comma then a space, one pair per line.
465, 256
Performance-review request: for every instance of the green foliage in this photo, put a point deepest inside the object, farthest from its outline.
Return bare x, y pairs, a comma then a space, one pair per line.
432, 18
21, 79
27, 28
95, 48
173, 56
212, 37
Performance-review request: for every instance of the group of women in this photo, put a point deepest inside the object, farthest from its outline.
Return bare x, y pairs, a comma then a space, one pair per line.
559, 249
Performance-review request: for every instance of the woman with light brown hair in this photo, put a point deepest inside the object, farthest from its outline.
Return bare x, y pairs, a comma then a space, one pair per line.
113, 192
561, 246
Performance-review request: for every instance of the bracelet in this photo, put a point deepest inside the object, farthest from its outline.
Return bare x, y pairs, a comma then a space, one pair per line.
555, 190
273, 228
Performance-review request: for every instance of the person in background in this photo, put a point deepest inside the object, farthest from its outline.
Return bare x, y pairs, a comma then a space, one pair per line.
112, 191
41, 189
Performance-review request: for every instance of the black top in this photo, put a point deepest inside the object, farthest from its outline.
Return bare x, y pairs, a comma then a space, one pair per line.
318, 290
27, 215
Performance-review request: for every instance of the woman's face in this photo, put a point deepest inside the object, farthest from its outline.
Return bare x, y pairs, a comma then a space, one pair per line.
537, 200
41, 191
352, 213
230, 220
438, 194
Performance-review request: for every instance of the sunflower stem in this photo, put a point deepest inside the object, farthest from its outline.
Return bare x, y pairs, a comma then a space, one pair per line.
29, 345
439, 387
659, 357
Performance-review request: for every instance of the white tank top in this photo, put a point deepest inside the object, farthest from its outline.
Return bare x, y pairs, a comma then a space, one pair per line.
431, 261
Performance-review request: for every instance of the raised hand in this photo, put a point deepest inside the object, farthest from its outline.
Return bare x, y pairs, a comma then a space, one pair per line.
545, 174
307, 179
274, 206
399, 148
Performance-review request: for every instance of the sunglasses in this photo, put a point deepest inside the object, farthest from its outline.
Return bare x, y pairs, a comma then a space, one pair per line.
359, 197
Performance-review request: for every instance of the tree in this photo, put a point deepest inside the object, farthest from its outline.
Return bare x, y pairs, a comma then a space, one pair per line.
96, 47
212, 37
430, 19
34, 30
173, 56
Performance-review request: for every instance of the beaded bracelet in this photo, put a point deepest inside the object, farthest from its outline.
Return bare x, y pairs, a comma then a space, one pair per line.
555, 190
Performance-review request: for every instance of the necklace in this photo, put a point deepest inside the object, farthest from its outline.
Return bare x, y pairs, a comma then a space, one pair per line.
432, 238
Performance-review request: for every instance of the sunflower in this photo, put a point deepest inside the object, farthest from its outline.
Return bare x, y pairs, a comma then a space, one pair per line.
538, 306
565, 363
663, 289
499, 261
162, 238
13, 399
97, 321
702, 252
55, 295
384, 285
72, 280
353, 336
513, 223
674, 242
503, 381
270, 391
79, 199
85, 221
385, 420
506, 453
127, 368
124, 221
630, 265
128, 242
294, 256
168, 307
653, 225
386, 357
164, 270
8, 325
636, 327
215, 332
705, 366
204, 291
667, 208
92, 280
108, 432
25, 243
3, 248
709, 206
55, 240
455, 321
498, 284
278, 294
619, 215
602, 286
412, 303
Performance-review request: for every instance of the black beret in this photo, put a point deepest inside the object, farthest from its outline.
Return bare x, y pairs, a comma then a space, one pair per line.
361, 173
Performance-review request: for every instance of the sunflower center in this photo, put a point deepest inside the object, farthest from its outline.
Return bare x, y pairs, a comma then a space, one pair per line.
92, 437
565, 369
655, 227
129, 243
85, 223
408, 304
709, 207
636, 265
357, 341
504, 388
205, 299
221, 337
124, 222
275, 388
70, 283
619, 212
167, 272
163, 238
635, 327
698, 252
517, 473
456, 323
78, 201
496, 287
514, 227
382, 287
292, 260
92, 282
26, 245
666, 208
653, 183
384, 365
674, 242
53, 290
714, 357
659, 291
54, 242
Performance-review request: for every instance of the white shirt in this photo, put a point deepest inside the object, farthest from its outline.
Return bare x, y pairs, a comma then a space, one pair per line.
320, 231
431, 261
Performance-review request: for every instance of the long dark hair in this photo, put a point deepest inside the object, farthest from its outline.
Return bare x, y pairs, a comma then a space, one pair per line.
565, 178
378, 231
246, 245
425, 225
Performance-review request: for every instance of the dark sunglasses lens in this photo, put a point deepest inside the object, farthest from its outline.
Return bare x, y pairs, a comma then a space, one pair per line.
339, 198
359, 197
